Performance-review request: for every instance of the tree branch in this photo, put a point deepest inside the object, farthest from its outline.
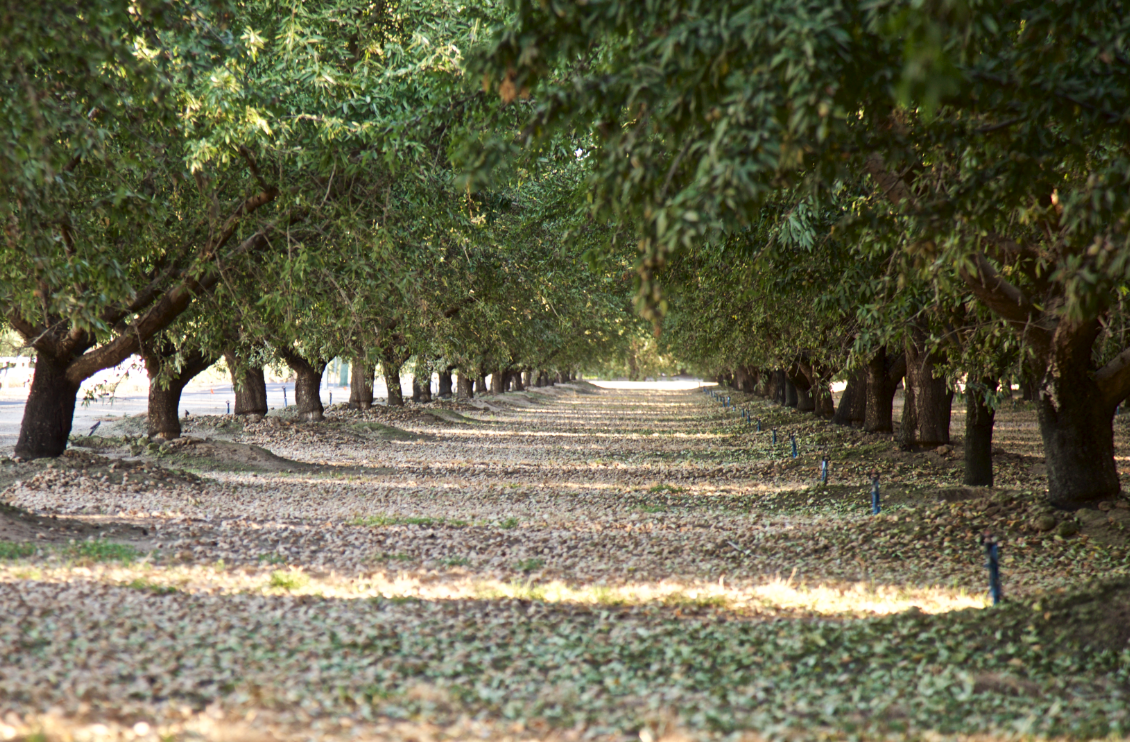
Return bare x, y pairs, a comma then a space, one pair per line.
156, 318
1007, 301
32, 335
1113, 379
894, 188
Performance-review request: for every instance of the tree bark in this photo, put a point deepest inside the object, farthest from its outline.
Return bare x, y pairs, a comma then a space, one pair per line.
445, 383
361, 376
307, 384
497, 382
766, 388
49, 411
163, 419
778, 387
481, 386
466, 386
391, 371
979, 419
928, 401
853, 403
1077, 426
421, 387
792, 396
884, 372
803, 386
519, 384
250, 387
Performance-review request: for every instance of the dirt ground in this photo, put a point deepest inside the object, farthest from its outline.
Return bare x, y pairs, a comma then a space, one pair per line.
566, 563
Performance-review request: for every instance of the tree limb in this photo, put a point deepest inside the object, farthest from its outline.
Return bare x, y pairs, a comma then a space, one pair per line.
894, 188
1007, 301
156, 318
1113, 379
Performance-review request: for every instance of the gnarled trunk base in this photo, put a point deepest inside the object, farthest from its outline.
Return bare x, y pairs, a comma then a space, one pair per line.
979, 419
49, 411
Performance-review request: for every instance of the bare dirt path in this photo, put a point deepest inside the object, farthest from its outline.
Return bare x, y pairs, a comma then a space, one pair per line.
571, 562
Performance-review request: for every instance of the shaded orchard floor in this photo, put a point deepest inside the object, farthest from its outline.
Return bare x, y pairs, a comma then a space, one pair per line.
570, 562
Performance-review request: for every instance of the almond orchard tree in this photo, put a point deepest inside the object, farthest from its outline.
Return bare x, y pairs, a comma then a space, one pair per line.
995, 133
109, 231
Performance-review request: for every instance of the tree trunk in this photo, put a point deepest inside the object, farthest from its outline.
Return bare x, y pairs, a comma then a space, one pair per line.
164, 403
766, 389
250, 388
853, 403
979, 418
445, 383
529, 378
519, 384
361, 385
884, 372
49, 411
497, 382
803, 386
481, 386
307, 384
792, 398
466, 386
1077, 427
391, 371
778, 387
421, 387
926, 410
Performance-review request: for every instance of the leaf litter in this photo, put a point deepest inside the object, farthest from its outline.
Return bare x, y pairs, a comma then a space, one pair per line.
580, 565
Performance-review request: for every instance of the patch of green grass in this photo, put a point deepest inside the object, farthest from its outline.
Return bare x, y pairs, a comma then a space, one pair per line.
287, 580
530, 565
454, 561
101, 551
393, 558
272, 559
146, 586
508, 523
12, 550
652, 508
377, 521
666, 488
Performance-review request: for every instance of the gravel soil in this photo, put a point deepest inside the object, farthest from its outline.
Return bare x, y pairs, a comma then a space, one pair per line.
566, 563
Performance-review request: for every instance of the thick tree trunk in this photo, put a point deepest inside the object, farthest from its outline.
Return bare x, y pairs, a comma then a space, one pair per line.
421, 387
307, 384
49, 411
466, 386
497, 382
163, 419
481, 386
529, 378
979, 418
250, 388
391, 371
445, 383
1077, 427
766, 388
884, 372
519, 384
778, 387
361, 376
803, 386
928, 400
792, 398
853, 403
